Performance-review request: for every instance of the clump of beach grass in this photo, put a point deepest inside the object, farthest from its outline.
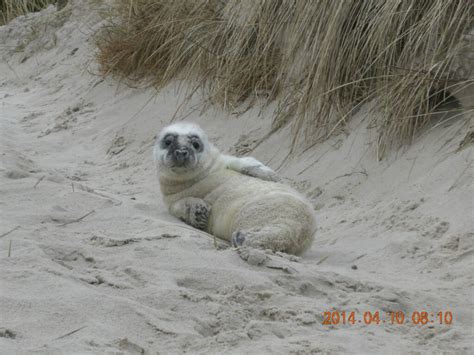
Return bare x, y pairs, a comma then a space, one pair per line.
320, 60
9, 9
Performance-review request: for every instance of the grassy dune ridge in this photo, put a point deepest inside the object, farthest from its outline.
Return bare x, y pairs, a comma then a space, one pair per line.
319, 60
9, 9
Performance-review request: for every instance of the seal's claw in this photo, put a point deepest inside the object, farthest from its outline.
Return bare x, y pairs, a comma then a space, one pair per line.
238, 239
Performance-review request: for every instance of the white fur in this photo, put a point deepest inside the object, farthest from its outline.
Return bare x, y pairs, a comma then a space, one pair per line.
239, 164
269, 214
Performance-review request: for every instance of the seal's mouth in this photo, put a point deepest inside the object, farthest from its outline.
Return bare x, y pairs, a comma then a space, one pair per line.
180, 166
179, 163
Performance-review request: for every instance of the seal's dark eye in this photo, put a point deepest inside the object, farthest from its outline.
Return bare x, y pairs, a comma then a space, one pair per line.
167, 141
196, 145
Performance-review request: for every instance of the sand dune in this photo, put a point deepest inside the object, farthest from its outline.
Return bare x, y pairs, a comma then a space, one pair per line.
95, 264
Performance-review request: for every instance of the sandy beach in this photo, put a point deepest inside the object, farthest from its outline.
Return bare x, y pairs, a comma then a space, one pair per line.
92, 262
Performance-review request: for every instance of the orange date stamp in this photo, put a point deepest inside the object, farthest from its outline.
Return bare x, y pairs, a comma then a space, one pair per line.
395, 317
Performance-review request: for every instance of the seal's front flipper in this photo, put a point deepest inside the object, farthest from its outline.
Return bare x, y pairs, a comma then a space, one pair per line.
261, 172
192, 211
251, 167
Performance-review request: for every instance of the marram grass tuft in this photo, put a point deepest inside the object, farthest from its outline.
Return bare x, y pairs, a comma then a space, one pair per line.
320, 60
9, 9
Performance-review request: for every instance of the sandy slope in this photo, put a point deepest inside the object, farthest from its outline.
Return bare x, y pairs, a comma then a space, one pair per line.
128, 278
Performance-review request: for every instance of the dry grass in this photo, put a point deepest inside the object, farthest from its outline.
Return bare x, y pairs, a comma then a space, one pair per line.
9, 9
319, 59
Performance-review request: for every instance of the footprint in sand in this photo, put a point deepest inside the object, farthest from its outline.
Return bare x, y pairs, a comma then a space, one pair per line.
7, 333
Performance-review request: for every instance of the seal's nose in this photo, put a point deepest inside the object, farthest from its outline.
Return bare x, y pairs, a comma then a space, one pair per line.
181, 154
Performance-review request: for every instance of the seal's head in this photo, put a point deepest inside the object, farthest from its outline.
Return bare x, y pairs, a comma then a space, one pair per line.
180, 149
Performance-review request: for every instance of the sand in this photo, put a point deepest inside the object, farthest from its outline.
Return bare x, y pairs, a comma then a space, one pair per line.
94, 264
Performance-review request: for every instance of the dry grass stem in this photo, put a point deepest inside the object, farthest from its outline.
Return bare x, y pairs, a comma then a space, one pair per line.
10, 231
39, 180
71, 333
78, 219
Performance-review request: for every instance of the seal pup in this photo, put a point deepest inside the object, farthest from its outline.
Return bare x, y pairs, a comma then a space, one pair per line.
236, 199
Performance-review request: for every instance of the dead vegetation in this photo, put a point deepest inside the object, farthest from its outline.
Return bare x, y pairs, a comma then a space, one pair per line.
320, 60
9, 9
